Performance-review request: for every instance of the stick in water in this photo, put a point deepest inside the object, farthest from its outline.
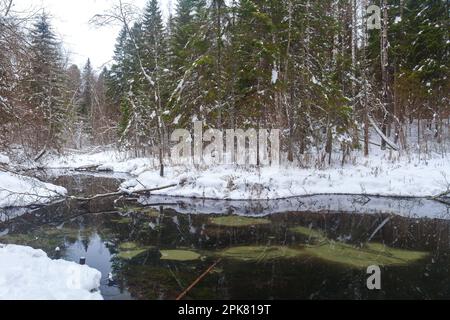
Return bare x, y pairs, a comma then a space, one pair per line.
197, 281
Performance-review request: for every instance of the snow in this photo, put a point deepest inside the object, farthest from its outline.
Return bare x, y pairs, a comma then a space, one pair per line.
274, 76
315, 81
377, 177
352, 204
21, 191
4, 159
177, 120
107, 160
404, 173
29, 274
80, 159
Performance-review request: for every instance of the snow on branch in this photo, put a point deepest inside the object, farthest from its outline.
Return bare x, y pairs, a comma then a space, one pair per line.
383, 136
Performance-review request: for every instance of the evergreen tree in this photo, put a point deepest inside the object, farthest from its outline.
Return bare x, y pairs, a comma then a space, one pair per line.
87, 91
46, 84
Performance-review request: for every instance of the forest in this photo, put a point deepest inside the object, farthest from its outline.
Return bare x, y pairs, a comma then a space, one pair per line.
310, 68
351, 184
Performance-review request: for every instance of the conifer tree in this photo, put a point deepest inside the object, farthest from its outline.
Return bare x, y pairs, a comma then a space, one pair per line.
46, 83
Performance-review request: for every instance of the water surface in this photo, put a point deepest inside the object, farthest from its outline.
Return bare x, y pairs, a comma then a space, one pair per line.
304, 248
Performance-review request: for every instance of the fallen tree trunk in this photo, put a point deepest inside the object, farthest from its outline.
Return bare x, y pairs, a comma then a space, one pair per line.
122, 193
442, 195
87, 168
383, 136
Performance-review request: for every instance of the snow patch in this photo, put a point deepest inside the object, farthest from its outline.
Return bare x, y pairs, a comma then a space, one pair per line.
4, 159
274, 76
21, 191
29, 274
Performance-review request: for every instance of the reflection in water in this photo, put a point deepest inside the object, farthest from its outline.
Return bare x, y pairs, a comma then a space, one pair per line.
293, 253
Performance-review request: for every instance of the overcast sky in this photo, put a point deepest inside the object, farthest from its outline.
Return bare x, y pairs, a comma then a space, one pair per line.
70, 20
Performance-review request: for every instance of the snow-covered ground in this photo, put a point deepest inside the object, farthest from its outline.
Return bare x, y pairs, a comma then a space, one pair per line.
4, 159
382, 174
109, 160
28, 274
224, 182
19, 191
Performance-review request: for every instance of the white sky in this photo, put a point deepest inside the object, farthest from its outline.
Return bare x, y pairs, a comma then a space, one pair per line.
70, 22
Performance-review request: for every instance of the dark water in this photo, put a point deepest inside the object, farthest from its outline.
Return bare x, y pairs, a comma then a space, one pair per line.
290, 254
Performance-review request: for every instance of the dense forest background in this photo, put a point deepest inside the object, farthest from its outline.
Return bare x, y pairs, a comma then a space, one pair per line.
310, 68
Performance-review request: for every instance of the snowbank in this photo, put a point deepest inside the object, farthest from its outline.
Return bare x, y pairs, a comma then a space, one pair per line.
28, 274
21, 191
4, 159
409, 179
109, 160
382, 174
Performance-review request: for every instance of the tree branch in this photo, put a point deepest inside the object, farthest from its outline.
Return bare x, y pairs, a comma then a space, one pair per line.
121, 193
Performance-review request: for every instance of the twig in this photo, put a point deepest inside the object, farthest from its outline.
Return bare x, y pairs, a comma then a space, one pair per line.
379, 228
8, 8
197, 281
41, 154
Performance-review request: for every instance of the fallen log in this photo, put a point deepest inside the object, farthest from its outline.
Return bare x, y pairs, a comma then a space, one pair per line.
122, 193
442, 195
87, 168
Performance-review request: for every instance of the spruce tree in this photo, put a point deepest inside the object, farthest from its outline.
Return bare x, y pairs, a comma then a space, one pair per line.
46, 83
87, 99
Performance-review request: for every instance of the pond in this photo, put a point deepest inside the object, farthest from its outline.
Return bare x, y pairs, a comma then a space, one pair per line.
303, 248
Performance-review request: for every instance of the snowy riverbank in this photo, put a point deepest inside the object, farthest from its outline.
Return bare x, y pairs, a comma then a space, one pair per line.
20, 191
409, 180
28, 274
382, 174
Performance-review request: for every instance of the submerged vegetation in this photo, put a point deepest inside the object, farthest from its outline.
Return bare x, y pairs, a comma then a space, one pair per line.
310, 233
132, 251
179, 255
260, 253
327, 250
238, 221
362, 257
131, 254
